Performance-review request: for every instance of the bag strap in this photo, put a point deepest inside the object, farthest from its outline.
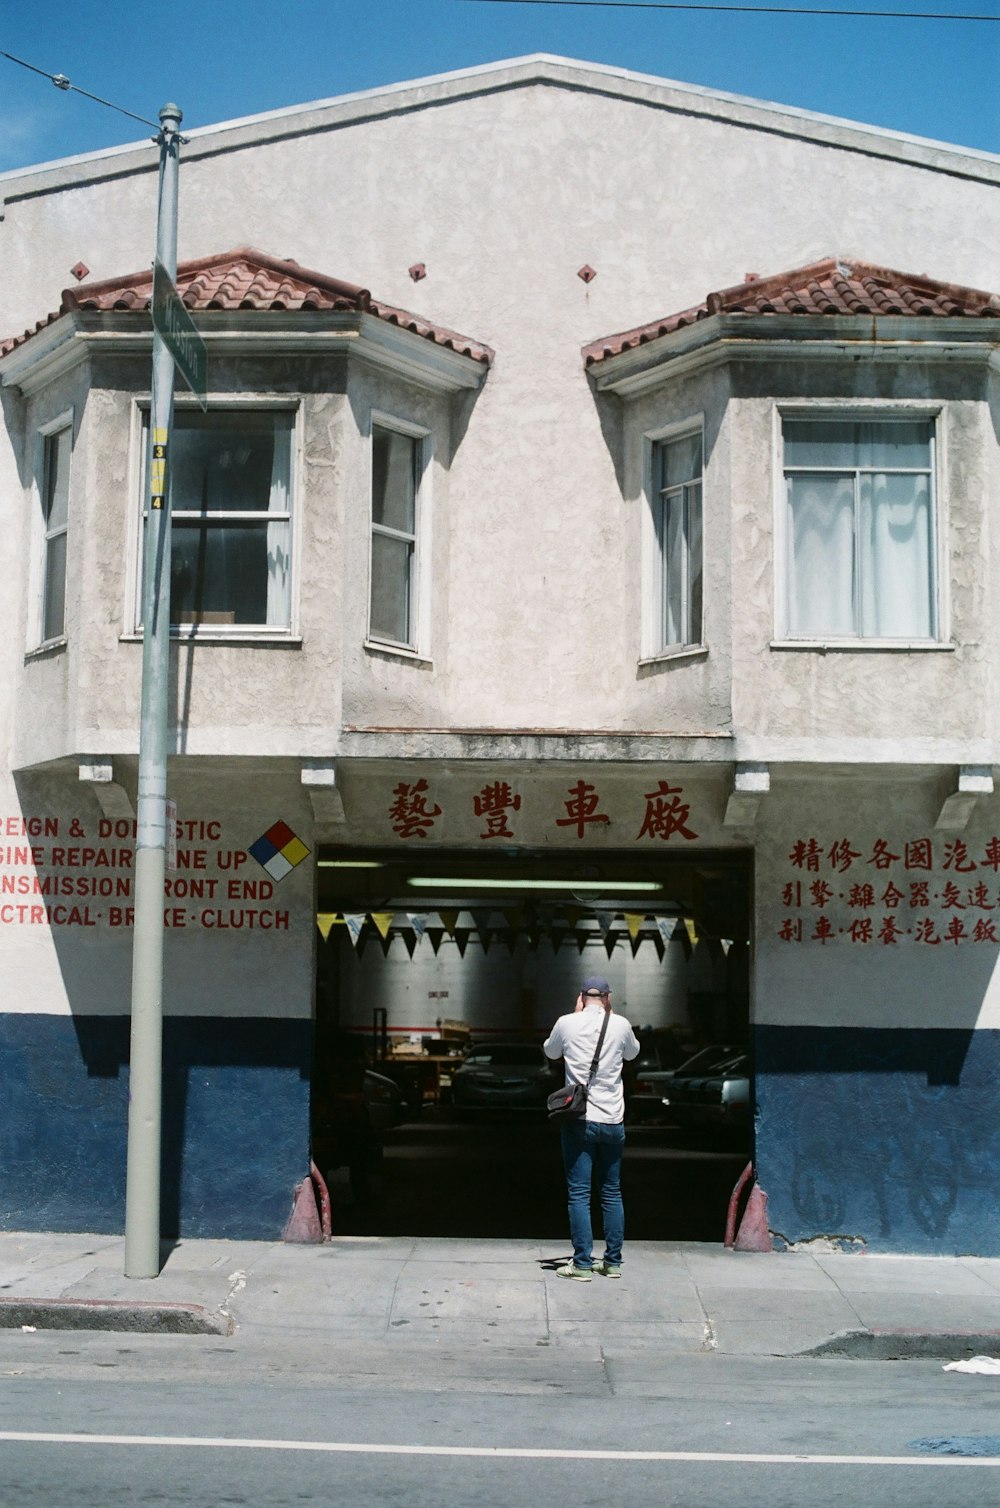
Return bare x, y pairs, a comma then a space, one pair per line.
600, 1044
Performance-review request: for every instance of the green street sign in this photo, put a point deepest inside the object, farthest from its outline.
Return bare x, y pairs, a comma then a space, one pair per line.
174, 324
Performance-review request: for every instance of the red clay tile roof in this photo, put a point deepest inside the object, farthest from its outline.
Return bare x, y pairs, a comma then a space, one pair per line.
834, 286
249, 279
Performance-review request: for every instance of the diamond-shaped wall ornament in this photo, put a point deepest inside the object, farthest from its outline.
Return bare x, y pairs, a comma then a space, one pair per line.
587, 273
278, 850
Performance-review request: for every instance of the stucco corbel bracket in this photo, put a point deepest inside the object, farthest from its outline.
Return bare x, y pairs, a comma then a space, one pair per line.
112, 785
751, 784
974, 782
319, 776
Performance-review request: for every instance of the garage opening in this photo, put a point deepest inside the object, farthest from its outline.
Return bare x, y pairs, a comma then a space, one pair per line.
438, 978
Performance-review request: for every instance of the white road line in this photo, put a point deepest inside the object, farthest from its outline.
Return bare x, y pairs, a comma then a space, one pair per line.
493, 1452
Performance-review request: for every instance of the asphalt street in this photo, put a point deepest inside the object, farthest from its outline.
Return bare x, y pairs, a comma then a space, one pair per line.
88, 1420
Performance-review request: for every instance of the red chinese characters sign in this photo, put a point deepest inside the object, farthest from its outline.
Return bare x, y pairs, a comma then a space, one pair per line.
935, 892
577, 811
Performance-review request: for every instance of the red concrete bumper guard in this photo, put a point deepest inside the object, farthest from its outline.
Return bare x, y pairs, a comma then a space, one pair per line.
309, 1223
752, 1233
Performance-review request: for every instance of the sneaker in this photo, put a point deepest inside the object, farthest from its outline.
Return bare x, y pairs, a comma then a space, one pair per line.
608, 1269
578, 1274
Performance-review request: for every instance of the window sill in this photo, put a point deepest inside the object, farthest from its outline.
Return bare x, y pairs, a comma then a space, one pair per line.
397, 652
243, 638
50, 647
682, 652
864, 646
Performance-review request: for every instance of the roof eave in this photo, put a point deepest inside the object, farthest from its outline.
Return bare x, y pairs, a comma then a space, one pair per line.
53, 350
769, 337
45, 355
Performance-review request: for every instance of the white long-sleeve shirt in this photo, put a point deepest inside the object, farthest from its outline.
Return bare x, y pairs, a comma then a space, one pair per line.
574, 1039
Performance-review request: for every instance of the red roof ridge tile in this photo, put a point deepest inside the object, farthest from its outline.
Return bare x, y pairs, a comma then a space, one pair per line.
247, 279
832, 286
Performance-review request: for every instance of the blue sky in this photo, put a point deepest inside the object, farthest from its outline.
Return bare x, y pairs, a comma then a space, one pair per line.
224, 58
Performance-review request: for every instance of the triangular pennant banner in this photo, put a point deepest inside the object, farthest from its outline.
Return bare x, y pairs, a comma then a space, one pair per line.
691, 930
605, 921
383, 921
462, 935
411, 939
324, 922
666, 926
572, 915
418, 921
514, 917
435, 934
355, 923
634, 921
482, 921
450, 921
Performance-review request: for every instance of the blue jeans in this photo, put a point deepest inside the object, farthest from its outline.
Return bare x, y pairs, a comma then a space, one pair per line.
594, 1148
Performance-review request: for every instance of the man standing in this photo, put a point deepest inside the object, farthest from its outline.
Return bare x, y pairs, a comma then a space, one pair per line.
594, 1145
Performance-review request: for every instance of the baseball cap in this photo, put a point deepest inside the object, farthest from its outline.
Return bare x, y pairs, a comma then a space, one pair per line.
595, 987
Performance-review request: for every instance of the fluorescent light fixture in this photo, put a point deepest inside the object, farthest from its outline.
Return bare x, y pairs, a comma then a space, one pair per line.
451, 882
350, 864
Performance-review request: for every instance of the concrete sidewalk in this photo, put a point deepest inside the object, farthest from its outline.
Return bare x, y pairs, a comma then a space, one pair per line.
673, 1296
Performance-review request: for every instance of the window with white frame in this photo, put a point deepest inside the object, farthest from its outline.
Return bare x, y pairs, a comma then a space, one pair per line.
57, 444
859, 527
677, 527
397, 467
231, 535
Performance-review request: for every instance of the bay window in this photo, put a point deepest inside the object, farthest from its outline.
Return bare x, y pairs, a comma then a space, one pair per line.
397, 464
859, 527
677, 525
231, 536
56, 447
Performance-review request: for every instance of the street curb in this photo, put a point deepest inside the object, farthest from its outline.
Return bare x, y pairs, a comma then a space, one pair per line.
900, 1344
136, 1318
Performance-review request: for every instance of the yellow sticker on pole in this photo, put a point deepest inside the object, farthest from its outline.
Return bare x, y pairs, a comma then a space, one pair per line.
158, 469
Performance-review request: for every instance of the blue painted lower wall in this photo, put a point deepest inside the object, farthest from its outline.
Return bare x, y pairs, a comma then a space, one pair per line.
886, 1137
883, 1137
235, 1123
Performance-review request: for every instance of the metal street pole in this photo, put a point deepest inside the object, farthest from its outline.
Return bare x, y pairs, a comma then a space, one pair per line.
142, 1182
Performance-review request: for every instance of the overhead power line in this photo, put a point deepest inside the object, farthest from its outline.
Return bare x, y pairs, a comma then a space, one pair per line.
62, 82
749, 10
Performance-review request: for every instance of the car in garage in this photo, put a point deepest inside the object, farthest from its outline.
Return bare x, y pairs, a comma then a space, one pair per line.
661, 1052
356, 1111
711, 1091
504, 1076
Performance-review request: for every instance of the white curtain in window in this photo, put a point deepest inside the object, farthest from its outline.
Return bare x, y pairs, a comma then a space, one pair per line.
821, 574
674, 561
895, 557
279, 563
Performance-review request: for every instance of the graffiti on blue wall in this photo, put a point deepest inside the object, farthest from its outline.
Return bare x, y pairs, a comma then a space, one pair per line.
888, 1137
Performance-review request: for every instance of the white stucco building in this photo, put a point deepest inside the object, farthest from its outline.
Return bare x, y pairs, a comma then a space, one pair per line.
689, 628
